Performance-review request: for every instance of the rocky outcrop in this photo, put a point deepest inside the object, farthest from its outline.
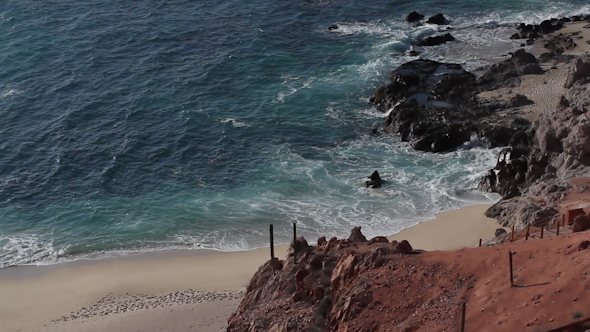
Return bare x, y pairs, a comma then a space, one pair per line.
581, 223
342, 285
507, 73
435, 107
533, 174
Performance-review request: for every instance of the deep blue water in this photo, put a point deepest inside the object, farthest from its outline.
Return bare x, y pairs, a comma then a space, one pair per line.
145, 125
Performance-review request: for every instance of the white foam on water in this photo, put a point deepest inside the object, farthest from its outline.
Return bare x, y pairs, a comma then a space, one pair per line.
235, 122
26, 249
293, 84
10, 93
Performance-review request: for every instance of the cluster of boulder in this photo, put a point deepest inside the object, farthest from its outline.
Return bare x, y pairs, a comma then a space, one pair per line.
435, 106
417, 19
532, 174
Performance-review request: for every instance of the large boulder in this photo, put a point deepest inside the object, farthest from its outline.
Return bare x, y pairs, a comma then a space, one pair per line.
404, 247
581, 223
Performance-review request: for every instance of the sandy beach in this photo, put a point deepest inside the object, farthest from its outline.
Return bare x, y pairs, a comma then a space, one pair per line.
174, 290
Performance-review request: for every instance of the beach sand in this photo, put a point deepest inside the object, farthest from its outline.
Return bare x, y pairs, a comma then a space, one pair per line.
178, 290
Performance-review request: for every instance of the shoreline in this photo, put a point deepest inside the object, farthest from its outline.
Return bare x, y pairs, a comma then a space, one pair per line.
34, 296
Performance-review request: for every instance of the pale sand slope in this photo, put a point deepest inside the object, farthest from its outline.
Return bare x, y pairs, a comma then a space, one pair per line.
174, 290
544, 90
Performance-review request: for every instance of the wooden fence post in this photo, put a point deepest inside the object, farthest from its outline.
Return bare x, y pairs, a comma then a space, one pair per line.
528, 230
511, 274
542, 228
463, 316
512, 236
480, 242
272, 247
558, 228
294, 242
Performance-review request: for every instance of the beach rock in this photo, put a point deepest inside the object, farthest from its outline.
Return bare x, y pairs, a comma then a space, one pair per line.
583, 245
579, 69
356, 235
548, 26
507, 72
556, 45
519, 100
300, 245
563, 102
581, 223
500, 232
516, 36
322, 242
436, 40
414, 16
404, 247
378, 239
438, 19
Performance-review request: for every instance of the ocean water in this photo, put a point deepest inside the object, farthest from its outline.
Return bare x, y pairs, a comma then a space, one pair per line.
149, 125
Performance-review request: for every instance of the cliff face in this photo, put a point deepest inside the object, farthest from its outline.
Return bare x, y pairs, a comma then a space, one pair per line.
534, 174
350, 285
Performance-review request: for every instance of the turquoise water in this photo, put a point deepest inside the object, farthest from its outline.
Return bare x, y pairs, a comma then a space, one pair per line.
150, 125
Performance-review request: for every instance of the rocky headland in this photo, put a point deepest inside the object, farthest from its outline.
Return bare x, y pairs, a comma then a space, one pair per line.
357, 284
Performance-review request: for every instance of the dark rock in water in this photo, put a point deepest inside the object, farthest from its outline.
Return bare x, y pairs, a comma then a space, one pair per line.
438, 19
516, 36
414, 16
374, 180
333, 27
413, 53
356, 235
436, 40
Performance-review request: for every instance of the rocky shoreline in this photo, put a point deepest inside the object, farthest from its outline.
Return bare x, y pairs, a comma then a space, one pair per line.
437, 107
536, 108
